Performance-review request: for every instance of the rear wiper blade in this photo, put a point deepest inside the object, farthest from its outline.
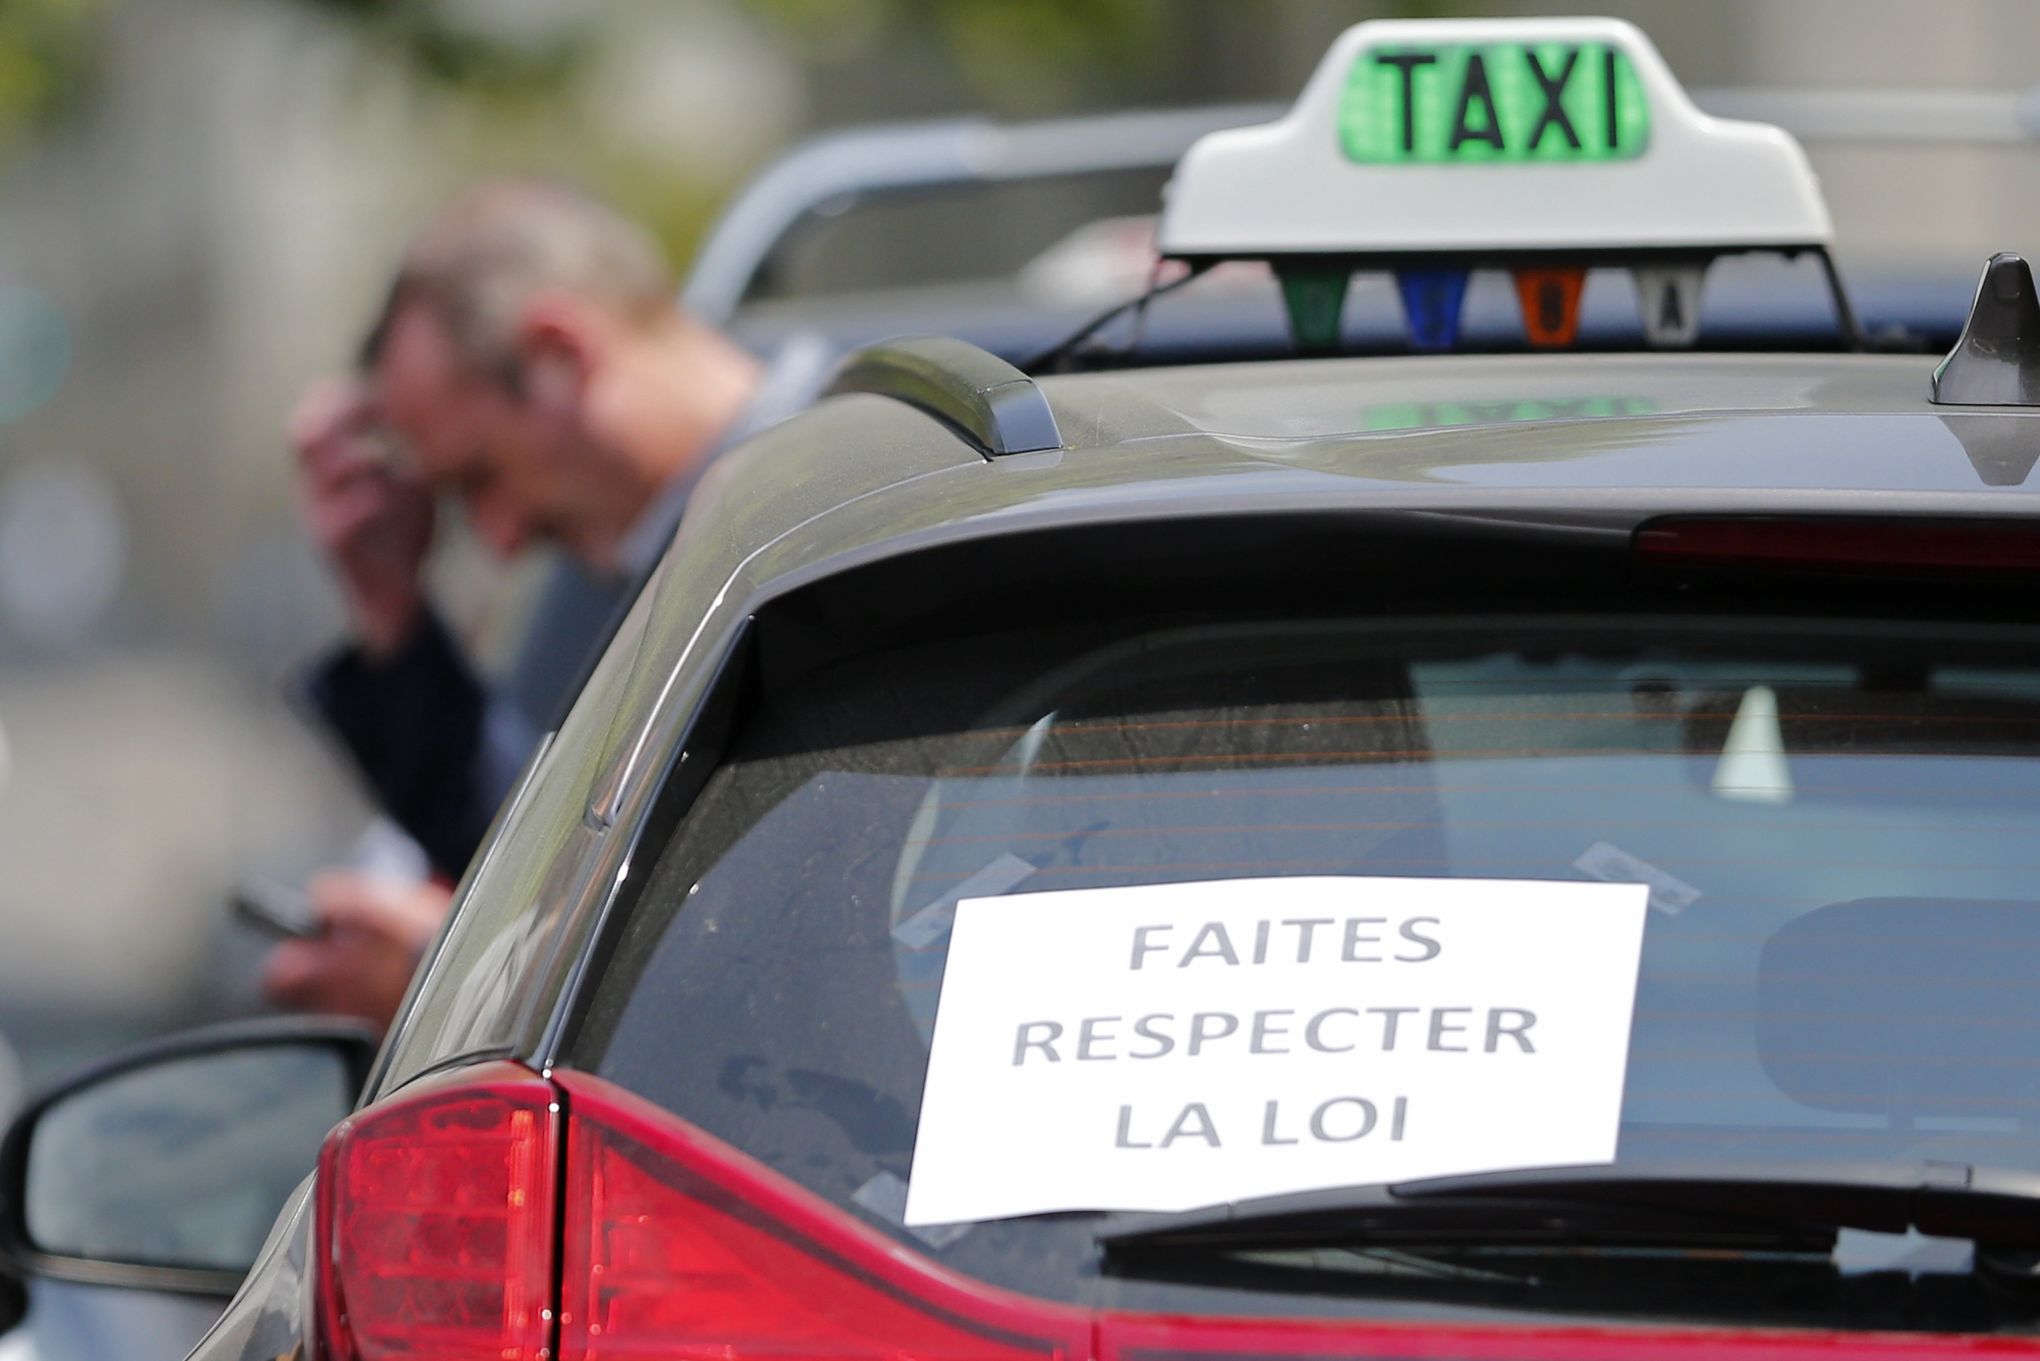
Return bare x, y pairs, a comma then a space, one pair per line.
1685, 1202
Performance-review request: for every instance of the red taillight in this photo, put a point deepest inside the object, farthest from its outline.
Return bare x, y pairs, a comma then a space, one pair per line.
679, 1247
436, 1222
438, 1211
1862, 544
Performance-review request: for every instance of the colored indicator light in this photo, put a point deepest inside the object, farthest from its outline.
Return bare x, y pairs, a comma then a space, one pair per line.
1669, 298
1551, 304
1432, 299
1317, 300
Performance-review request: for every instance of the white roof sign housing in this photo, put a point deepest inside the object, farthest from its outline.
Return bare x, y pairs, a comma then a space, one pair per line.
1493, 138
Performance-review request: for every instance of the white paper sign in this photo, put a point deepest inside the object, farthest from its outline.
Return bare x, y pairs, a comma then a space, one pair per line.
1169, 1046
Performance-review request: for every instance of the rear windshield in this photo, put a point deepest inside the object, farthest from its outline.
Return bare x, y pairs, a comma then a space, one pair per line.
1834, 821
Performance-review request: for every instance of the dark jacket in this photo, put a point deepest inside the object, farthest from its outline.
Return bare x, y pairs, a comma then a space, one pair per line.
438, 745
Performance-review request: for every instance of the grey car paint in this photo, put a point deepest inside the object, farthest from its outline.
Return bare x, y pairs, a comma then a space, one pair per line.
266, 1317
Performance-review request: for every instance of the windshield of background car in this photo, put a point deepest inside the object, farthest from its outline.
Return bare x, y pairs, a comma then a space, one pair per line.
1835, 820
974, 233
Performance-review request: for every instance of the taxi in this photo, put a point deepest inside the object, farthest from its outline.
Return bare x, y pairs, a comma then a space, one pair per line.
1509, 855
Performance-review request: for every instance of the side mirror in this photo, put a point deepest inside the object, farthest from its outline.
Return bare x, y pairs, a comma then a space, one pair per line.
165, 1166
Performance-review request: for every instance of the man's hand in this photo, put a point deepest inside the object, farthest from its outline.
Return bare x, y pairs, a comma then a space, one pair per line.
372, 520
375, 931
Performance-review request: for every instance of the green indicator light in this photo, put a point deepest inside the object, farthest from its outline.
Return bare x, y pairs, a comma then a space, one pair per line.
1493, 103
1317, 300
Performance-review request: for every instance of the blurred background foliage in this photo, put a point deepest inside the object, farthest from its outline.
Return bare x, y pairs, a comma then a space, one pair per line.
1018, 56
1015, 56
46, 50
505, 53
518, 66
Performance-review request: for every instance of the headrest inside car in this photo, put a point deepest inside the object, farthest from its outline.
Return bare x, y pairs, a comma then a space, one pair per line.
1906, 1007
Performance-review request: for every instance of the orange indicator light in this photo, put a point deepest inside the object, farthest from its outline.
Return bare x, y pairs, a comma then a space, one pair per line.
1551, 304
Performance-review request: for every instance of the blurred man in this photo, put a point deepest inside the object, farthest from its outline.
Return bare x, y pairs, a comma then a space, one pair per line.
530, 363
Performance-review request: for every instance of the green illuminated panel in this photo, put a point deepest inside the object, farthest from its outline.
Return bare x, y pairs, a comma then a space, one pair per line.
1441, 415
1490, 103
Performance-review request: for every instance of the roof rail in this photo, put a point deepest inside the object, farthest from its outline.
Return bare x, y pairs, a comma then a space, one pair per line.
996, 406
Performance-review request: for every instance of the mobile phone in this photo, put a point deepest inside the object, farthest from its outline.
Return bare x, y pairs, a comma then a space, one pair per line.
273, 909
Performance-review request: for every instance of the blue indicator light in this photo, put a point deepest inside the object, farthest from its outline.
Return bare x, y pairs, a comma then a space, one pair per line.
1431, 300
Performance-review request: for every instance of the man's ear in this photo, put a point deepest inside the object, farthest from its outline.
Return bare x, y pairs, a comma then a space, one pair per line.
555, 353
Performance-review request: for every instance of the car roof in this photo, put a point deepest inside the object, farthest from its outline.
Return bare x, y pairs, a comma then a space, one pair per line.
1342, 400
1689, 430
1581, 441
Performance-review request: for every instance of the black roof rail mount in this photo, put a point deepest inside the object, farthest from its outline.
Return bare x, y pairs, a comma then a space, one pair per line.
1996, 362
996, 406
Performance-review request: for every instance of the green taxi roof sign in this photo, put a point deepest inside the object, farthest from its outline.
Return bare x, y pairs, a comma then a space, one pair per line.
1492, 139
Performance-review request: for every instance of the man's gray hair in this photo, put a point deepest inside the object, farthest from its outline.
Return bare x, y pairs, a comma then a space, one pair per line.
493, 249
